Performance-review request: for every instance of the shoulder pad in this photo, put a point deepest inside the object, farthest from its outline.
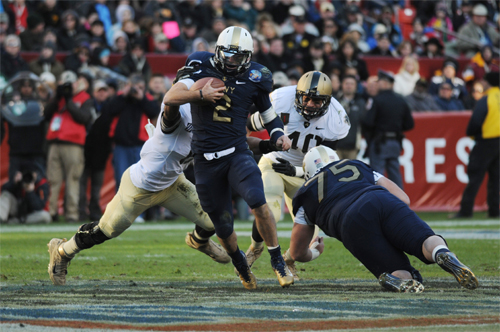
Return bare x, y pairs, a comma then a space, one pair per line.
258, 73
198, 57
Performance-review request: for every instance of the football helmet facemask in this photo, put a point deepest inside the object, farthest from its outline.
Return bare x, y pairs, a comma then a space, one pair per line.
317, 158
233, 51
317, 86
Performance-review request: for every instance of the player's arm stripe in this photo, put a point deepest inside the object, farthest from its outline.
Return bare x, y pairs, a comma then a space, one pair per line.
269, 115
255, 122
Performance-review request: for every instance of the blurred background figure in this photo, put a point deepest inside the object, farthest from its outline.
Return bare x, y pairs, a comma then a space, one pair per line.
66, 138
24, 199
446, 100
23, 115
96, 152
420, 100
11, 63
408, 75
47, 61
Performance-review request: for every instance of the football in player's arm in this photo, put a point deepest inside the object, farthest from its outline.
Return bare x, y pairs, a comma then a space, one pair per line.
222, 160
370, 215
311, 117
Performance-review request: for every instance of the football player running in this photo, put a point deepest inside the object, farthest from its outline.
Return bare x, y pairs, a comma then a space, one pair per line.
311, 117
370, 215
157, 179
222, 160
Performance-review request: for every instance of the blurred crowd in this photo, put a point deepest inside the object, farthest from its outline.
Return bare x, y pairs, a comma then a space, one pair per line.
106, 106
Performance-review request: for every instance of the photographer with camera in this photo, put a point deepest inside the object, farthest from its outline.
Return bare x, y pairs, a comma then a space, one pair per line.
24, 199
130, 111
66, 138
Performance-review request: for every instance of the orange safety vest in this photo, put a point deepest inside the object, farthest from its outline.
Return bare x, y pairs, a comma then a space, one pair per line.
63, 127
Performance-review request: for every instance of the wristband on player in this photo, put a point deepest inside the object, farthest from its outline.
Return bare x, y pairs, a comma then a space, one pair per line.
266, 146
201, 95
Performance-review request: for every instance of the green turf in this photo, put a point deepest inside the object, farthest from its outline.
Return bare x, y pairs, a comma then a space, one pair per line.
162, 255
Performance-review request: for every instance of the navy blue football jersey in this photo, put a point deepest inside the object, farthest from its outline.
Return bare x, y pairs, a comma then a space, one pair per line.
222, 125
327, 195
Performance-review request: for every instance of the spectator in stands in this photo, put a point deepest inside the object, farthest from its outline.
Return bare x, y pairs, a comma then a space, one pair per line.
96, 151
201, 45
445, 99
356, 32
280, 11
5, 26
450, 68
112, 84
354, 105
160, 43
462, 15
378, 30
383, 47
297, 43
80, 58
405, 49
123, 13
278, 61
352, 15
134, 62
477, 33
331, 31
133, 33
162, 10
484, 158
335, 79
47, 61
267, 27
120, 42
407, 76
317, 60
97, 32
418, 37
24, 199
441, 23
11, 63
348, 56
51, 13
476, 94
50, 35
188, 35
20, 11
481, 64
218, 25
66, 137
69, 29
157, 86
326, 13
31, 38
100, 57
240, 11
433, 48
420, 99
393, 31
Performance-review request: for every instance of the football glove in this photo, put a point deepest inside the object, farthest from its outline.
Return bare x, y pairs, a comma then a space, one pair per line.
186, 72
284, 167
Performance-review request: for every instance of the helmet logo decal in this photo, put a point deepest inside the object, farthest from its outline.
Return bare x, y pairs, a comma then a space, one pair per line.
255, 75
306, 124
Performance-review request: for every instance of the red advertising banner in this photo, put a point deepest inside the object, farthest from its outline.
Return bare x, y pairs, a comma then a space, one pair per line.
433, 163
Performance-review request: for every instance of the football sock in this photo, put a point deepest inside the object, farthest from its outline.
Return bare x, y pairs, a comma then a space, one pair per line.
237, 257
438, 249
255, 234
199, 239
274, 251
70, 248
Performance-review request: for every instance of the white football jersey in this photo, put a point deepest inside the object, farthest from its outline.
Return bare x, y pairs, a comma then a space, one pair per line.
304, 134
164, 156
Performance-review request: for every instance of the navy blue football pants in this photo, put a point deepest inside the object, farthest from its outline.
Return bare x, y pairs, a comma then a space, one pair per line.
215, 180
378, 228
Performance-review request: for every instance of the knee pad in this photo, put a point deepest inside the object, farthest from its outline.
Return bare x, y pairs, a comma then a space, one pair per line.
89, 235
224, 228
255, 197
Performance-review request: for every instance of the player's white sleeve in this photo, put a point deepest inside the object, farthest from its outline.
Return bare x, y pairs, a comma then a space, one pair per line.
301, 218
187, 82
377, 176
341, 124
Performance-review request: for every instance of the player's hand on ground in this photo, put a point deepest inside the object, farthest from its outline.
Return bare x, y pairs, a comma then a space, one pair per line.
284, 167
212, 94
284, 143
318, 244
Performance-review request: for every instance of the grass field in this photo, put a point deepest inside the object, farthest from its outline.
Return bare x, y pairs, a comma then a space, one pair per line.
148, 279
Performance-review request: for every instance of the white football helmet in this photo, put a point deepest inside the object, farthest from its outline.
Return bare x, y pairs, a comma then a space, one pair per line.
317, 158
233, 50
314, 85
